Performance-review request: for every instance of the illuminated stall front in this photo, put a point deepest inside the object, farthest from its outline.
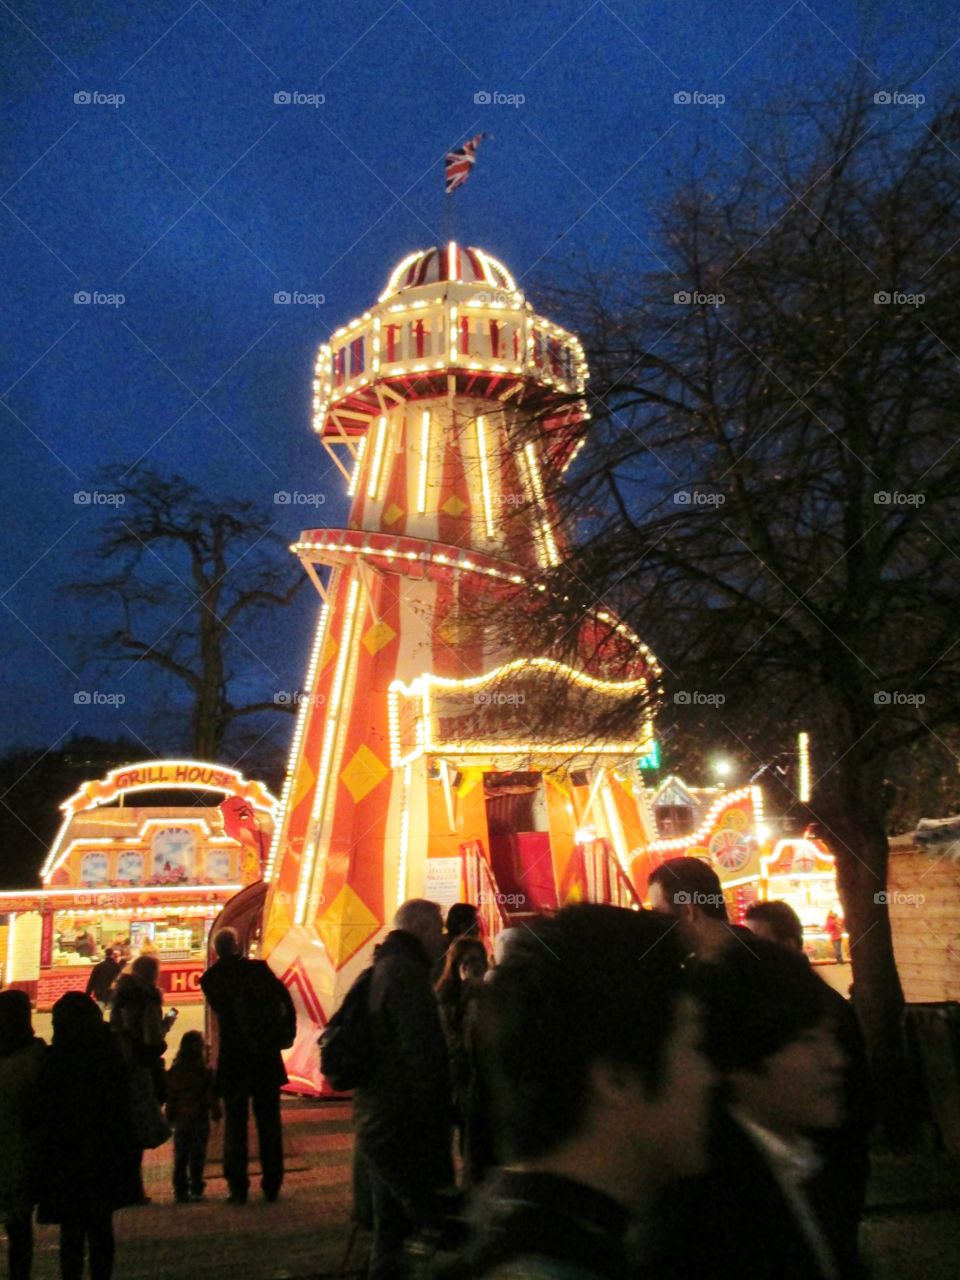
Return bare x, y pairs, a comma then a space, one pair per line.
723, 828
137, 877
801, 871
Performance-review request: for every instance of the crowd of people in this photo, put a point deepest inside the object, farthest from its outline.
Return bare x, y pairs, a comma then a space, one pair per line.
631, 1093
613, 1093
77, 1115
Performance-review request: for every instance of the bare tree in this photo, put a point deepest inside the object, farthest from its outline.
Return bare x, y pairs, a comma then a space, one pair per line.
190, 582
770, 490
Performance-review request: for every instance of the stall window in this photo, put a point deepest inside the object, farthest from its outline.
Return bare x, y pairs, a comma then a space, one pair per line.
130, 868
674, 819
94, 870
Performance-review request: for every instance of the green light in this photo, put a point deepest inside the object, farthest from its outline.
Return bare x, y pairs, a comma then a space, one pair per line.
652, 759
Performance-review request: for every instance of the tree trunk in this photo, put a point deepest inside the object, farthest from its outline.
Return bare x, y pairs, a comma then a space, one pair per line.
858, 839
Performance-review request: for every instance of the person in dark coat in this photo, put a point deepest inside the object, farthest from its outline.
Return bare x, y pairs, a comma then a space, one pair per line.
842, 1181
21, 1059
89, 1151
463, 921
590, 1042
770, 1035
457, 992
102, 977
403, 1114
138, 1020
689, 891
256, 1018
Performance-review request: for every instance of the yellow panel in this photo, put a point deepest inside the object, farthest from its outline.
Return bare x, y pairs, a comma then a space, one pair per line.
304, 781
392, 514
328, 653
362, 773
380, 634
346, 925
453, 506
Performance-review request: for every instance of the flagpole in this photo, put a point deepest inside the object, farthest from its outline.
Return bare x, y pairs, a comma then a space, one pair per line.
447, 218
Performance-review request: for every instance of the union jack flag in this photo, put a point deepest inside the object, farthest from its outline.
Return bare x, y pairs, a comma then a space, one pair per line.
460, 161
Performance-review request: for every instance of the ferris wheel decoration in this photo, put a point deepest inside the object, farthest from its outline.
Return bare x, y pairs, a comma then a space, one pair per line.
731, 848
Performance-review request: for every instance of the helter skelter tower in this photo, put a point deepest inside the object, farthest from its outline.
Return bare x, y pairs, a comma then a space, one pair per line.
417, 767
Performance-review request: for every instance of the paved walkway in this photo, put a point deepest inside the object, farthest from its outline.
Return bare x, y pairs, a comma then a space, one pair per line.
911, 1232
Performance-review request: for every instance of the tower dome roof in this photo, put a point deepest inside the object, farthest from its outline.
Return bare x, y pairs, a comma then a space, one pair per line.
450, 262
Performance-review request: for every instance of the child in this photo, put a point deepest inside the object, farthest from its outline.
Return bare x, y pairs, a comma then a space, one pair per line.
88, 1152
191, 1102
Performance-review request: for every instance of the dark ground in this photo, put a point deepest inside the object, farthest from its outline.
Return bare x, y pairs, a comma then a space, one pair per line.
912, 1229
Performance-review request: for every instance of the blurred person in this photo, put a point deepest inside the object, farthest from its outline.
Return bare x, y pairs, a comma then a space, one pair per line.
689, 891
590, 1040
842, 1181
191, 1104
457, 992
256, 1020
403, 1113
137, 1018
833, 927
463, 921
770, 1035
21, 1060
89, 1153
102, 977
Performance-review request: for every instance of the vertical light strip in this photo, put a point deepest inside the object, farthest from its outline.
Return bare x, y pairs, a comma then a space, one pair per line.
538, 538
10, 976
355, 478
803, 770
319, 640
453, 333
377, 461
485, 477
615, 826
310, 854
756, 796
451, 261
551, 546
424, 461
404, 835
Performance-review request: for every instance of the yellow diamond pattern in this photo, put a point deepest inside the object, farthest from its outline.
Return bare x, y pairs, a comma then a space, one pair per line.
380, 634
362, 773
304, 781
346, 925
327, 654
454, 506
392, 514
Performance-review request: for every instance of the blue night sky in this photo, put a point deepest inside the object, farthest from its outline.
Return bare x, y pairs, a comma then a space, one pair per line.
199, 197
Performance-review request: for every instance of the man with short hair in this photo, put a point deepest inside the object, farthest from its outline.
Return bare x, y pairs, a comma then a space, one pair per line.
770, 1035
842, 1182
590, 1047
689, 891
256, 1019
403, 1114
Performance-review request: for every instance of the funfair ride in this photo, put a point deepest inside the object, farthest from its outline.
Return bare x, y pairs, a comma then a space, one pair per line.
419, 763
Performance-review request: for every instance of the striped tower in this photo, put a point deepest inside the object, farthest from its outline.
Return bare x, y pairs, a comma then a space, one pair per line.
413, 769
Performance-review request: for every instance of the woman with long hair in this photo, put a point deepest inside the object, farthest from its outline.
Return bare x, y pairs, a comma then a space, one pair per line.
457, 989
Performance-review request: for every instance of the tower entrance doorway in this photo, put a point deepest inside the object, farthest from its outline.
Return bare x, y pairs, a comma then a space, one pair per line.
520, 854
